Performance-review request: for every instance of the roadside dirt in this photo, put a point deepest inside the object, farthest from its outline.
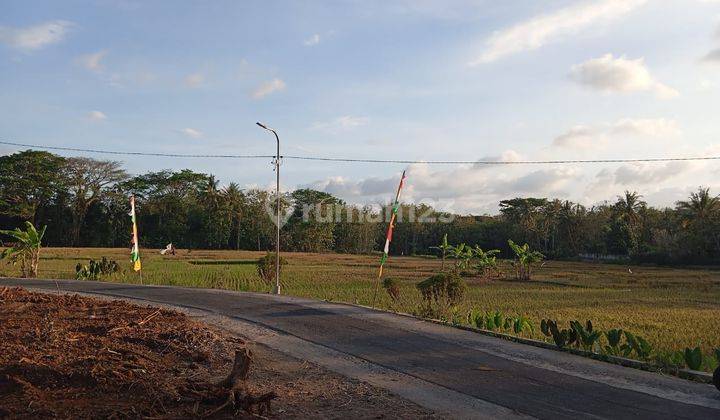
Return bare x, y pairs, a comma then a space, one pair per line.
70, 356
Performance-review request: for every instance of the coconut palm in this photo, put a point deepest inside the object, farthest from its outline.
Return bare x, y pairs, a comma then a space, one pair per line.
26, 249
701, 208
235, 200
629, 206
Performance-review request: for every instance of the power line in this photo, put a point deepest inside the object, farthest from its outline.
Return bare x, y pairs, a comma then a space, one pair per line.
351, 160
114, 152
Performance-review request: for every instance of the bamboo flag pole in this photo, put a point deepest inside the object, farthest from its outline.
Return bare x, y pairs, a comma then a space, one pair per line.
388, 236
135, 251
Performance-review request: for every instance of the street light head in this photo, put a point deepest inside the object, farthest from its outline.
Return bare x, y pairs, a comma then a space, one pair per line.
261, 125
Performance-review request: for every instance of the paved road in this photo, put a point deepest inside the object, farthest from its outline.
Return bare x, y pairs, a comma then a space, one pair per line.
516, 379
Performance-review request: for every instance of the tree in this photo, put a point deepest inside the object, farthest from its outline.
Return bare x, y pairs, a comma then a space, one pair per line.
236, 202
700, 217
87, 181
625, 228
29, 180
26, 249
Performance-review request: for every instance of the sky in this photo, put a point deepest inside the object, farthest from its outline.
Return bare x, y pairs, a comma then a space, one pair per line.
408, 79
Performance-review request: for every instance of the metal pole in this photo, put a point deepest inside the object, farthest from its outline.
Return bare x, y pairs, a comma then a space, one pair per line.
277, 224
276, 290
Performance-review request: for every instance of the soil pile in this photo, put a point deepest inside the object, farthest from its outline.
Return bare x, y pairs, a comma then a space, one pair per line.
77, 357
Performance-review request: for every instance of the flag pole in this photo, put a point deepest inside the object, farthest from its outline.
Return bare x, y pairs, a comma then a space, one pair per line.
388, 236
135, 251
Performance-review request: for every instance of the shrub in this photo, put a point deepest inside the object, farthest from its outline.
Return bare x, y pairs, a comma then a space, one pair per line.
441, 293
266, 267
391, 287
95, 269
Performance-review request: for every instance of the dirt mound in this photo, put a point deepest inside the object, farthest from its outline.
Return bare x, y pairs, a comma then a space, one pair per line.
76, 357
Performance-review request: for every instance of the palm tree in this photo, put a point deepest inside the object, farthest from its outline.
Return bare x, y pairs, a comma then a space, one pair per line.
629, 207
235, 200
701, 207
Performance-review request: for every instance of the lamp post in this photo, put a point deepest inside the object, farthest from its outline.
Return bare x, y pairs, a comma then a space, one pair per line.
276, 290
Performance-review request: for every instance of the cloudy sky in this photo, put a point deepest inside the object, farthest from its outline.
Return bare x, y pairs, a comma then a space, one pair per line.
405, 79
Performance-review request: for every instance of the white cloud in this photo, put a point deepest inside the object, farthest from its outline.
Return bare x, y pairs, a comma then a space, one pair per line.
35, 37
343, 123
540, 30
267, 88
620, 74
194, 80
598, 137
97, 115
93, 62
713, 56
191, 132
651, 127
313, 40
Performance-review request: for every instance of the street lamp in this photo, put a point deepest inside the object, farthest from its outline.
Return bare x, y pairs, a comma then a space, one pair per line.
276, 290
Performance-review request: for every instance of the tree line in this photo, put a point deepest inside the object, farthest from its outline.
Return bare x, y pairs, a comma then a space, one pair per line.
84, 202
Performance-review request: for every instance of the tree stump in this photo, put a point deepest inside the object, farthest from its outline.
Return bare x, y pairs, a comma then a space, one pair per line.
235, 385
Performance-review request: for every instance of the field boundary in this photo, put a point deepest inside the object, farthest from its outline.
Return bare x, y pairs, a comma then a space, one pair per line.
688, 374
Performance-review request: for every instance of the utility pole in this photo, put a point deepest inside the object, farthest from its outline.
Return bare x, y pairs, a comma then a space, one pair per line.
276, 290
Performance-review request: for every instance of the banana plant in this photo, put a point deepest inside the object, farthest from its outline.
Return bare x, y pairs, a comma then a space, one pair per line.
462, 254
613, 338
525, 258
693, 358
486, 260
26, 249
444, 248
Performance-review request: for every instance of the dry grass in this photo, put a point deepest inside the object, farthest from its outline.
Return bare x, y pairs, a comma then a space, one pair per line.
673, 308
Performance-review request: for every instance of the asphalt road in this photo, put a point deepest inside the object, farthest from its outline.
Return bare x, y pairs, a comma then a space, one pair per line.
523, 380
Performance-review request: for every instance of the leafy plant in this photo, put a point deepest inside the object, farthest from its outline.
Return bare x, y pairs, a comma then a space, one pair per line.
562, 338
26, 249
391, 287
476, 318
486, 260
462, 254
494, 320
444, 247
614, 336
266, 267
693, 358
95, 269
525, 259
521, 324
670, 360
639, 345
586, 336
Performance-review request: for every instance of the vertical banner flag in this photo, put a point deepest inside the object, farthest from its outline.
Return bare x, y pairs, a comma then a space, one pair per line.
135, 252
388, 237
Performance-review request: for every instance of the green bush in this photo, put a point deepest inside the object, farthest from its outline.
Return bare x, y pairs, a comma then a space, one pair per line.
95, 269
266, 267
392, 288
441, 293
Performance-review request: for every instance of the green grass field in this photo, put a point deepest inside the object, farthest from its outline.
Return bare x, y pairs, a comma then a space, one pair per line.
672, 308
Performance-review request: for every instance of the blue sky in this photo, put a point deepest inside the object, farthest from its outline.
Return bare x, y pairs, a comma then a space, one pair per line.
426, 80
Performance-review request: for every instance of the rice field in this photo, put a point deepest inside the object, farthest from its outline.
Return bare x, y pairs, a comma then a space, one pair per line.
672, 308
